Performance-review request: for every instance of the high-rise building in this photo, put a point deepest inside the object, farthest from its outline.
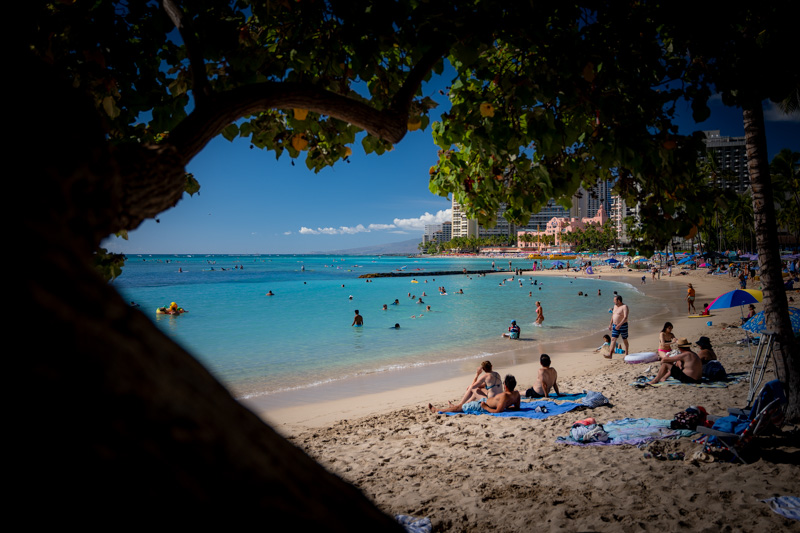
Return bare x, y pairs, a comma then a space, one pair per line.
730, 154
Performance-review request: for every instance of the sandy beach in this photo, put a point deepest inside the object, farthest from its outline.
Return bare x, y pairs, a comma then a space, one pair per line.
480, 472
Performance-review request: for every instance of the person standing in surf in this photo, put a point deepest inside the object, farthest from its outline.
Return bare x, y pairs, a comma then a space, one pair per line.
539, 314
618, 326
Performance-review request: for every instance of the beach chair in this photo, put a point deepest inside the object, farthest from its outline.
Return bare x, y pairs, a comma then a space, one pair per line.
736, 431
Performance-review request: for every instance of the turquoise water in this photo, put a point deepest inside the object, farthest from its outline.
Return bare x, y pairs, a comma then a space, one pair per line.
302, 336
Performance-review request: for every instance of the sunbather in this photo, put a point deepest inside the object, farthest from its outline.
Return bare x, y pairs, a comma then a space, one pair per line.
686, 366
509, 400
545, 380
486, 384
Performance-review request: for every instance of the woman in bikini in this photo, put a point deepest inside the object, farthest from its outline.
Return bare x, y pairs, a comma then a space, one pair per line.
485, 385
665, 340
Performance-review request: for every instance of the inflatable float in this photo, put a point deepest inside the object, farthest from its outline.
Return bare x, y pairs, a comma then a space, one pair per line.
699, 316
641, 357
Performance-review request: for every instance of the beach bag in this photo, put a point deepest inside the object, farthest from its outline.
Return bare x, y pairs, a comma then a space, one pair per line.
714, 371
688, 419
593, 399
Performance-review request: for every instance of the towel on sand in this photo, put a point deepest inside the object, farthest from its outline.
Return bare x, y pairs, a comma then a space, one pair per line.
733, 377
786, 506
632, 431
534, 410
565, 397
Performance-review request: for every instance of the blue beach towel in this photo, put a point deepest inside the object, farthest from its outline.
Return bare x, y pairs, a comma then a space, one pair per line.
633, 431
786, 506
533, 410
560, 398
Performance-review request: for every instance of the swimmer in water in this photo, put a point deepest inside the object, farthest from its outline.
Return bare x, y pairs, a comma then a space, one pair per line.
270, 293
358, 320
385, 307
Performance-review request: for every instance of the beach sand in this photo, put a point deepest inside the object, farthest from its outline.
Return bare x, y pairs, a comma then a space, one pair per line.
480, 472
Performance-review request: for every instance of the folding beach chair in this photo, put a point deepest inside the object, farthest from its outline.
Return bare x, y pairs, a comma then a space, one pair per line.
734, 432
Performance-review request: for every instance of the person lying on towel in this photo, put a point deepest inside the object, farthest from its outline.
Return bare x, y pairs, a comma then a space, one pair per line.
509, 400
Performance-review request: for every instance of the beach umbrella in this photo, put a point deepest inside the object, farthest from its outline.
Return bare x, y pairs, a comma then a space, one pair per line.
558, 264
757, 324
611, 261
736, 298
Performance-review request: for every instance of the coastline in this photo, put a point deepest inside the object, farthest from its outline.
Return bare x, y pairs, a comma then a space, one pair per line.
471, 473
294, 411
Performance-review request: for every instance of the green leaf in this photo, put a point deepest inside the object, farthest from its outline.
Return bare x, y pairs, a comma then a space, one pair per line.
230, 132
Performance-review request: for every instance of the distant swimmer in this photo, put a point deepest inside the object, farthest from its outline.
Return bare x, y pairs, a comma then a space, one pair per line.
358, 320
420, 301
385, 307
396, 326
172, 309
539, 314
270, 293
396, 302
428, 308
350, 297
134, 304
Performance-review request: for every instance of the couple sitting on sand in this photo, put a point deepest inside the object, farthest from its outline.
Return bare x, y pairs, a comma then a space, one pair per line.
488, 394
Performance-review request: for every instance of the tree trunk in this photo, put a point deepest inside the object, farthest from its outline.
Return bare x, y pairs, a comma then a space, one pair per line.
119, 424
776, 307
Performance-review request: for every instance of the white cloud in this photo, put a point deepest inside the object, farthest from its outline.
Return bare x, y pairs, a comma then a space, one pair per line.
287, 232
400, 225
772, 113
420, 222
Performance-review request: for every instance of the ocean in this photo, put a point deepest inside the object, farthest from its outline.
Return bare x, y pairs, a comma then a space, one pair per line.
301, 337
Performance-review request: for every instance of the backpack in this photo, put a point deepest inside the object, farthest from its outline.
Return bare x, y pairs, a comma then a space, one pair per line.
714, 371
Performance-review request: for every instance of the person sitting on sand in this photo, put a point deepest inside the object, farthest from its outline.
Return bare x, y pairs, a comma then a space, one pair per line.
545, 380
686, 366
751, 312
485, 384
706, 352
705, 311
509, 400
665, 340
606, 346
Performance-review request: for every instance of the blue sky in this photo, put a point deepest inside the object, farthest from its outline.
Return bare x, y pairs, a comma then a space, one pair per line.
250, 203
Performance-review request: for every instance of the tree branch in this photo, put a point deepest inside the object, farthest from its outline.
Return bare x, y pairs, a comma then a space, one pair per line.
200, 85
206, 122
402, 99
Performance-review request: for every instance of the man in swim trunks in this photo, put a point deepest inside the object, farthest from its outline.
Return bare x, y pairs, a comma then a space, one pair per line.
618, 325
358, 320
509, 400
686, 366
546, 380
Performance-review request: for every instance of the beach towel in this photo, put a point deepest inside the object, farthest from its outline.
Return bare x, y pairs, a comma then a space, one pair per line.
414, 525
565, 397
537, 410
733, 378
786, 506
633, 431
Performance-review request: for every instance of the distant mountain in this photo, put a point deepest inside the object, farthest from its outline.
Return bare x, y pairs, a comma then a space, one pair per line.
408, 247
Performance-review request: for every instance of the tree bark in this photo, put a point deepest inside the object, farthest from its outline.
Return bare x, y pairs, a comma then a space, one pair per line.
776, 307
119, 424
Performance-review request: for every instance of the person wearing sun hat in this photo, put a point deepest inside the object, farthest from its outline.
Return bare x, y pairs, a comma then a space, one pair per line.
686, 366
706, 352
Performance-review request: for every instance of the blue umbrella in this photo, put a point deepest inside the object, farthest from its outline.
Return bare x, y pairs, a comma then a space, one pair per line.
611, 261
736, 298
758, 323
